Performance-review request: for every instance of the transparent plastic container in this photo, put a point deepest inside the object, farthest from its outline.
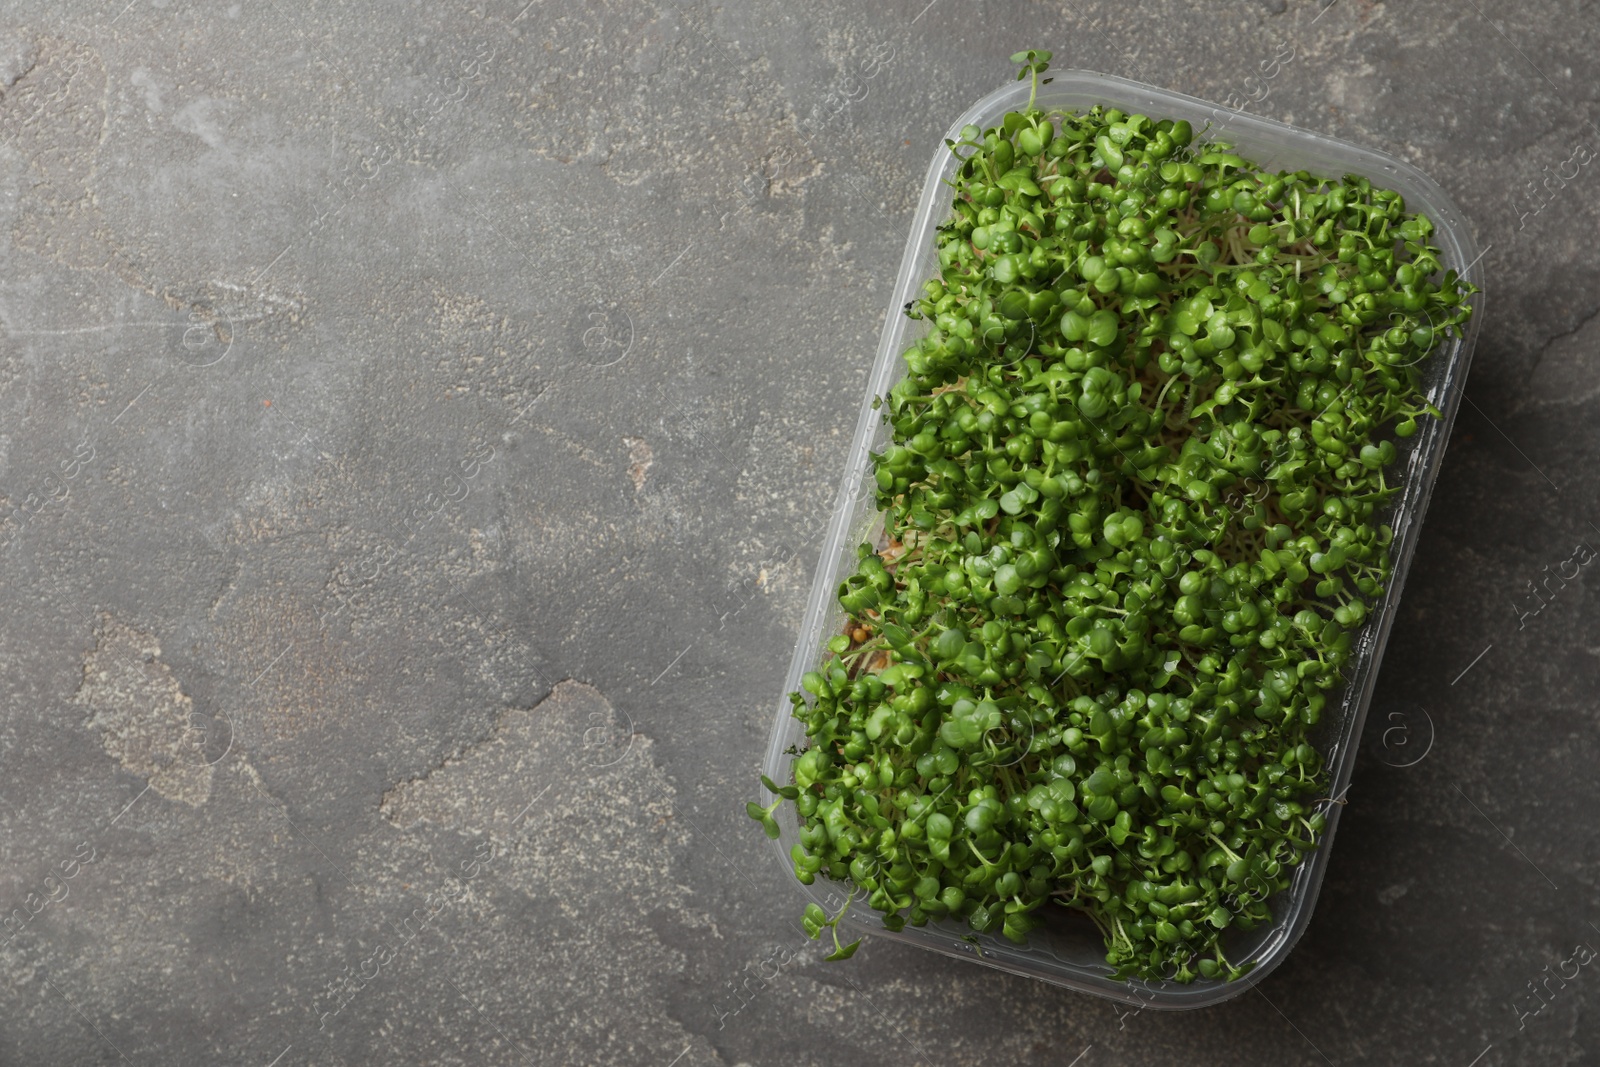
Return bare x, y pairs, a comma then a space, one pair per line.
1067, 949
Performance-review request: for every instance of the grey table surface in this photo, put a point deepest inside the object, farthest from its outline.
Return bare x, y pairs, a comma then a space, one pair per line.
416, 424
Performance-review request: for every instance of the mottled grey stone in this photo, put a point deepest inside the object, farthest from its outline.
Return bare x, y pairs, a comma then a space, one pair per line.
409, 408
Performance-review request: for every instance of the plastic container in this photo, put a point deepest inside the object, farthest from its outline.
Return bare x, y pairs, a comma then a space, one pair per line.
1068, 951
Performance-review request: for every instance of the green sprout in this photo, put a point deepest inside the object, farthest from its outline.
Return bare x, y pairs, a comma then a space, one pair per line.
1134, 523
1034, 63
816, 920
764, 815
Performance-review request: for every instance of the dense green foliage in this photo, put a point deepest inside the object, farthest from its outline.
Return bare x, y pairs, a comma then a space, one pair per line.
1132, 506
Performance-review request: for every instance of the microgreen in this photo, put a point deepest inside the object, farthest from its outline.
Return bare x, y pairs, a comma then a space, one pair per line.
1034, 63
815, 920
1133, 506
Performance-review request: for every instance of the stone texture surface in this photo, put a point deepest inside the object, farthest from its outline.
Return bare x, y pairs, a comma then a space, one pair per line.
416, 423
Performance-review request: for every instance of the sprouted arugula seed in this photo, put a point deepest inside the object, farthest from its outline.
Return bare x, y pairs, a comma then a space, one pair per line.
1132, 509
